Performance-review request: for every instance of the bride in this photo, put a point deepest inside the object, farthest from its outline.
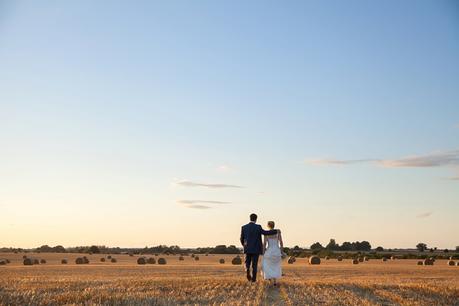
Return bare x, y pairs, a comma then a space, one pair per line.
272, 257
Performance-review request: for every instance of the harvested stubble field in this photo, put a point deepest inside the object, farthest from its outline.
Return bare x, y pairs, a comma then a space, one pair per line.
399, 282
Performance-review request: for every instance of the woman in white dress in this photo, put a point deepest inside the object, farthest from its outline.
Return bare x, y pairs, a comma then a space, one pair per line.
272, 257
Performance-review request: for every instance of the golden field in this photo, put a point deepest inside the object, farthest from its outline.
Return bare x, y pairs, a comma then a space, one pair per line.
190, 282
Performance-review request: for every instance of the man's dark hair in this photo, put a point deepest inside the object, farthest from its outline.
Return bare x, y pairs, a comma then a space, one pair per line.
253, 217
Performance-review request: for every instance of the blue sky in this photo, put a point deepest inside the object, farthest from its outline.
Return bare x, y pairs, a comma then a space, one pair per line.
128, 123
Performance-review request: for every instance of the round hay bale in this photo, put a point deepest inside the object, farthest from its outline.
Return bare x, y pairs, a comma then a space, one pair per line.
64, 261
428, 262
85, 260
355, 261
79, 261
102, 259
384, 259
340, 258
2, 262
28, 261
141, 261
327, 257
420, 263
7, 260
109, 257
457, 264
192, 255
236, 260
151, 261
432, 259
451, 263
42, 261
366, 258
360, 259
314, 260
162, 261
392, 258
131, 255
36, 261
222, 261
113, 260
196, 258
181, 258
24, 256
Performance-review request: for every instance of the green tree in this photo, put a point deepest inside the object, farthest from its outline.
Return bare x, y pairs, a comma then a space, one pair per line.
421, 247
316, 246
332, 245
94, 249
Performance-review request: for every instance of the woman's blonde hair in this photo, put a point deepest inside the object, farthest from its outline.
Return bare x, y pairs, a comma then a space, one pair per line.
271, 224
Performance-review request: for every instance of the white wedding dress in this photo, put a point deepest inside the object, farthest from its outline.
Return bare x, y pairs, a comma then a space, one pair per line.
272, 259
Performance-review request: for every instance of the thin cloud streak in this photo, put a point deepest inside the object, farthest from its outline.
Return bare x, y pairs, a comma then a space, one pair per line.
420, 161
224, 168
197, 206
425, 215
216, 186
190, 202
429, 160
339, 162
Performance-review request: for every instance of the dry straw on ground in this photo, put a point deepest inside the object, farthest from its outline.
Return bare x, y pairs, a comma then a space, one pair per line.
208, 283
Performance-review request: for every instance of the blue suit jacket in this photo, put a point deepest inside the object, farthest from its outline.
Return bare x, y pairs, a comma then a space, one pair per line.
251, 238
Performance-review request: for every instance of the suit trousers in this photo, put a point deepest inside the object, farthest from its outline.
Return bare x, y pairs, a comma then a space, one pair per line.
251, 260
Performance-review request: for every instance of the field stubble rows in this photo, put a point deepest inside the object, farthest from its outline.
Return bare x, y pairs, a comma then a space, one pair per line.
207, 282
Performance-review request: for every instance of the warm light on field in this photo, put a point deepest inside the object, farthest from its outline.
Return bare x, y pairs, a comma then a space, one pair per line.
399, 282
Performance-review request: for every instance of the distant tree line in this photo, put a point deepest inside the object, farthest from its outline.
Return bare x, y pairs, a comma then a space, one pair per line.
346, 246
159, 249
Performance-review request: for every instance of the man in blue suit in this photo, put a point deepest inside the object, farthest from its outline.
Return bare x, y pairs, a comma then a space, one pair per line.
253, 246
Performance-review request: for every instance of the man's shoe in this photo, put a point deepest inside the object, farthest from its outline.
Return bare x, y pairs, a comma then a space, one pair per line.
254, 280
249, 278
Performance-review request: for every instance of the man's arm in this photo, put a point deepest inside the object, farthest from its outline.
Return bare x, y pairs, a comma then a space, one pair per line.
242, 236
268, 233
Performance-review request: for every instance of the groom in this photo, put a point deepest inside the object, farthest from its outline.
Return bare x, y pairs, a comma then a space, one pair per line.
253, 247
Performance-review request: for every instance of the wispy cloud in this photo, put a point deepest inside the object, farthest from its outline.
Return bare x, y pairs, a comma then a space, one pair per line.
437, 159
428, 160
425, 215
454, 178
339, 161
192, 202
196, 184
198, 206
225, 168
